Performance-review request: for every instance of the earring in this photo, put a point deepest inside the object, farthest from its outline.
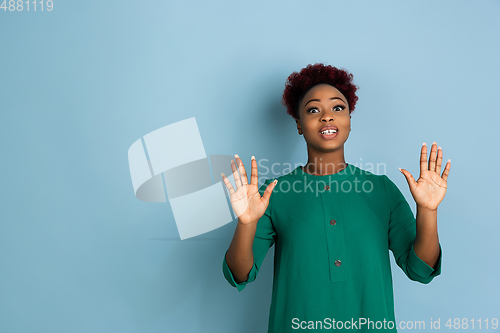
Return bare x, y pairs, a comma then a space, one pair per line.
300, 132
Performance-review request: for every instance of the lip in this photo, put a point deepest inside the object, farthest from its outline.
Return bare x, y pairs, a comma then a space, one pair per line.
330, 136
328, 127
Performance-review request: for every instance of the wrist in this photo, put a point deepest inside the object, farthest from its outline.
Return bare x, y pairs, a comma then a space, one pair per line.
426, 209
247, 224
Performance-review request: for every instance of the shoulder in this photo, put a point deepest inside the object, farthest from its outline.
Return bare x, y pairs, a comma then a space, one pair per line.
382, 185
378, 179
288, 177
270, 180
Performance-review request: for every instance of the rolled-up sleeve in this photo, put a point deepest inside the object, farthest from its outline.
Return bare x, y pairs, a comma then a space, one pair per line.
402, 233
265, 235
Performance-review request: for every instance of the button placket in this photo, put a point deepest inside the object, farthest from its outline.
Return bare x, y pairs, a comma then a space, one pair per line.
334, 236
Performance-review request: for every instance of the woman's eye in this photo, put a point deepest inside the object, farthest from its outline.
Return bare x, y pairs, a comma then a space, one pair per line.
336, 108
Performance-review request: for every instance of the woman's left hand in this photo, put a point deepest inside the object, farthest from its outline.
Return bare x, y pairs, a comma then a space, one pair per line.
429, 190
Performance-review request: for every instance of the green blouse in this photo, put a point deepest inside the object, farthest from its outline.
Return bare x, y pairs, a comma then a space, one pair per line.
331, 264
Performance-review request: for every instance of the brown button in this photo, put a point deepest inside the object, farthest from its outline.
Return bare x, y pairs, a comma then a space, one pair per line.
333, 222
338, 263
327, 187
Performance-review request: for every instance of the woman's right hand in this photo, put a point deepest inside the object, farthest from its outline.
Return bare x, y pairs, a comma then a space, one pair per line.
246, 201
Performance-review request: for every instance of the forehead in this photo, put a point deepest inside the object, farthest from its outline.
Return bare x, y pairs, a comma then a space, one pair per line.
321, 89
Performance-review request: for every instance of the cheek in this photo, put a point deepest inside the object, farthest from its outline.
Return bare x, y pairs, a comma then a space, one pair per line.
345, 120
346, 124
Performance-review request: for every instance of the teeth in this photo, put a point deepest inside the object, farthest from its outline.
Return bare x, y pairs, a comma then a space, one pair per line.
329, 132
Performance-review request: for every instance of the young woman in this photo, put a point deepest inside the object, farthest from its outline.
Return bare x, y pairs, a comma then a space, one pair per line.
331, 222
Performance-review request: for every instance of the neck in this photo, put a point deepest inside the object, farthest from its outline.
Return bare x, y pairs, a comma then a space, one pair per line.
322, 163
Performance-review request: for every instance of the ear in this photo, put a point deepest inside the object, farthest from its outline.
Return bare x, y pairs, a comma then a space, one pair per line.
298, 126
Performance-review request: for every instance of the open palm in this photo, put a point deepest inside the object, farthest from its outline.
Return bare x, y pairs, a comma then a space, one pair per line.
430, 188
246, 201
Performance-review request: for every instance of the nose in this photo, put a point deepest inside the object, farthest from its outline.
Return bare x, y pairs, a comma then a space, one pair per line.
327, 117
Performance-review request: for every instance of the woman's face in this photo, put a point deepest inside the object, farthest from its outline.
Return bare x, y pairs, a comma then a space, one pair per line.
324, 105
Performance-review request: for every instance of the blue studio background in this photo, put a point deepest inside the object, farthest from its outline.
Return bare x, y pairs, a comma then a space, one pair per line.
79, 84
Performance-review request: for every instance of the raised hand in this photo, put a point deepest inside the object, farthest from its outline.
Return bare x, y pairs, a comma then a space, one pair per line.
429, 190
246, 201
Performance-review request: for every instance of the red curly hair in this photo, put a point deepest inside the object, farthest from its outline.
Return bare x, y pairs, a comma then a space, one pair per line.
298, 84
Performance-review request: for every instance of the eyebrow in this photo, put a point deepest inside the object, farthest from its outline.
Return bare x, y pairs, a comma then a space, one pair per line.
317, 100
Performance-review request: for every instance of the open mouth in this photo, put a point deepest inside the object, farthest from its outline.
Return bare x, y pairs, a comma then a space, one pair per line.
329, 134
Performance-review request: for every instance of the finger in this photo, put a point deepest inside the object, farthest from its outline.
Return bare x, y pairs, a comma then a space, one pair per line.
243, 172
439, 160
236, 176
432, 158
228, 184
423, 158
254, 177
446, 171
268, 191
409, 179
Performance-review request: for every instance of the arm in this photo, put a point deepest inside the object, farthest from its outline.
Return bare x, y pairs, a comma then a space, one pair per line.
403, 237
248, 248
428, 192
239, 256
426, 244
